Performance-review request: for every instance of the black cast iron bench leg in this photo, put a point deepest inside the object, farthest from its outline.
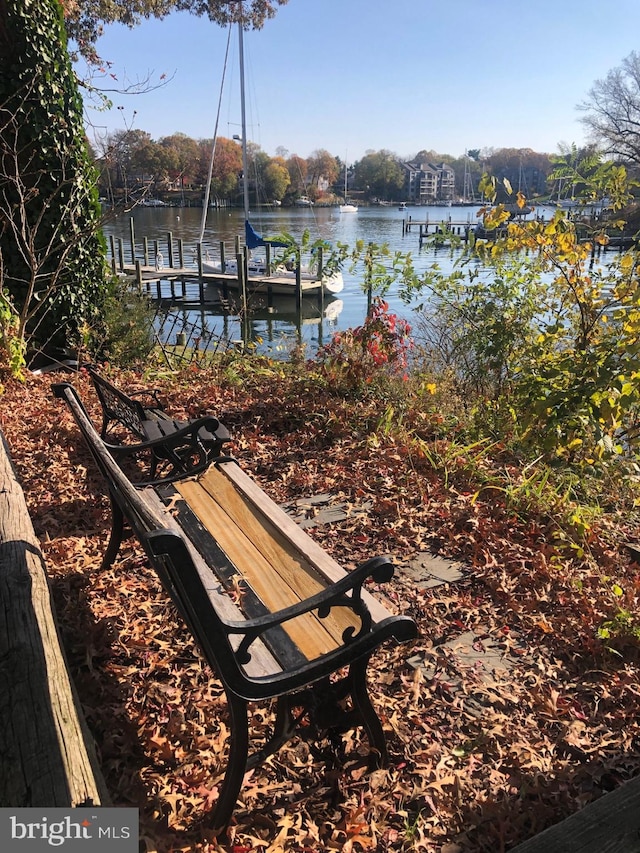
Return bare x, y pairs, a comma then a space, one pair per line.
236, 765
115, 537
283, 731
368, 717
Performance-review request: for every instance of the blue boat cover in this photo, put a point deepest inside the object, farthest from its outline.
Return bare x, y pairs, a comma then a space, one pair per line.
254, 240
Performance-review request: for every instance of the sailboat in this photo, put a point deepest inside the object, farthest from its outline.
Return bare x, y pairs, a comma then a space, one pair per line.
283, 280
347, 207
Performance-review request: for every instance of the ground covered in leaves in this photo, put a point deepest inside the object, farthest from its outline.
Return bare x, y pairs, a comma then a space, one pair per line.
477, 764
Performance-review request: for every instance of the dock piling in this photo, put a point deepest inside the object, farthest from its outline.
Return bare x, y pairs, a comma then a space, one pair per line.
200, 278
132, 240
170, 249
242, 262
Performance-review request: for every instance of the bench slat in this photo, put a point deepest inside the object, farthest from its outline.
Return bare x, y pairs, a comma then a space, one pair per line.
308, 547
266, 560
262, 661
298, 572
276, 639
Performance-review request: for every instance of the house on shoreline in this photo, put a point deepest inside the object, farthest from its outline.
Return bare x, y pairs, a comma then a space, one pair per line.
429, 182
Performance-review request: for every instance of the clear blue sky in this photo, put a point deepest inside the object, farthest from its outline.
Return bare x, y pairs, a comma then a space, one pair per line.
353, 75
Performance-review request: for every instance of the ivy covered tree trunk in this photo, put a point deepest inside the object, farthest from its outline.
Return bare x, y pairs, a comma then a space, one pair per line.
52, 252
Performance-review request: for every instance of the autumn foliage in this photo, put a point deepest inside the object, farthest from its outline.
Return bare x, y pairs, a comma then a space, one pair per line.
370, 353
477, 764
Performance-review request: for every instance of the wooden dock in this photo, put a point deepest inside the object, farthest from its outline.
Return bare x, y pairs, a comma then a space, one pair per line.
444, 228
212, 287
156, 273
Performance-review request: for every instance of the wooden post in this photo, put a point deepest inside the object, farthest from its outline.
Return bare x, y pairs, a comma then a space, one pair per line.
242, 280
298, 285
120, 254
200, 277
268, 258
223, 260
47, 757
181, 253
139, 276
132, 240
145, 249
170, 248
321, 288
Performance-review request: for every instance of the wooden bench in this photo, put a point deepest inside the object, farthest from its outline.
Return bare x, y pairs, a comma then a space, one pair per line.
149, 422
274, 615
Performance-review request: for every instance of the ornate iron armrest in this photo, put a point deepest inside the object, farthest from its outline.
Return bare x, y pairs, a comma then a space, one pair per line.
183, 450
346, 592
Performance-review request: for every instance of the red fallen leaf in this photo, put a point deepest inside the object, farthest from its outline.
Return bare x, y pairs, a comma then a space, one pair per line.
578, 712
210, 795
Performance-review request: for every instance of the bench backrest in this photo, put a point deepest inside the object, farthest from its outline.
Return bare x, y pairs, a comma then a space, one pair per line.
116, 405
122, 491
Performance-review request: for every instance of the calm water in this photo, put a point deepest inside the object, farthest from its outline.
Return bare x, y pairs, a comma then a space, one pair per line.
373, 224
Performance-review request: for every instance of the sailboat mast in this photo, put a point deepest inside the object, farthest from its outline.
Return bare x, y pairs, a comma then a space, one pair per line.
245, 168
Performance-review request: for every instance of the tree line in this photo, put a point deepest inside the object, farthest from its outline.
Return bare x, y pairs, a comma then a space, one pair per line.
132, 164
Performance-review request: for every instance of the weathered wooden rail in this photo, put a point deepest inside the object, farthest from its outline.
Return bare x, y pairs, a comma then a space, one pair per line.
609, 825
47, 756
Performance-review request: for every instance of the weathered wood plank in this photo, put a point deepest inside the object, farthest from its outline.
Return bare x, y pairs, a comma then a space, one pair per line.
275, 639
253, 548
307, 546
610, 825
46, 755
262, 662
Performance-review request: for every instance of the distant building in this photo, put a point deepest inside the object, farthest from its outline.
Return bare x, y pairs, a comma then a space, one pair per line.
429, 182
